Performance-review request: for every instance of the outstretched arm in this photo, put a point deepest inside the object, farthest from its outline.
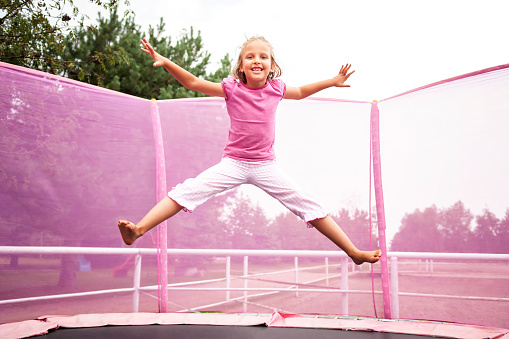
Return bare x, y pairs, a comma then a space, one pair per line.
307, 90
187, 79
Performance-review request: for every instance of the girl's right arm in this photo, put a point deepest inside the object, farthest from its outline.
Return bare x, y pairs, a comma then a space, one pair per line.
187, 79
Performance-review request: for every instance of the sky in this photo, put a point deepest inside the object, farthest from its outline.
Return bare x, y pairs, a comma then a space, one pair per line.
394, 46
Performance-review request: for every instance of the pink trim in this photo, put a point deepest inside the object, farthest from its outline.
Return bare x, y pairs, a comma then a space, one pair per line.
58, 78
380, 210
162, 233
486, 70
337, 100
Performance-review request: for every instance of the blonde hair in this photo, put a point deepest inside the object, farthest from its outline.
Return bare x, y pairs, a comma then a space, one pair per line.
272, 75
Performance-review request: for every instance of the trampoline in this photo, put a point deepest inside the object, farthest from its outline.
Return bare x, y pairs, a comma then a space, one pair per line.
67, 153
209, 325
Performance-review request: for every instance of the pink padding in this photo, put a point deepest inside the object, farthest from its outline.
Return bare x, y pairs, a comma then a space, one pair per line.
27, 328
118, 319
41, 326
398, 326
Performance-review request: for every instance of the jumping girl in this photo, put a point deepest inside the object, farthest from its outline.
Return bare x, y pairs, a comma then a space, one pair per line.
252, 96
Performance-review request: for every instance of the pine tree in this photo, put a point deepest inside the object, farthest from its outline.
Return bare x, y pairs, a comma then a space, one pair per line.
137, 76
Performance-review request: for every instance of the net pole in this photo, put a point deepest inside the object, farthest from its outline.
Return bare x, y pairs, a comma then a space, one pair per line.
162, 237
380, 210
371, 223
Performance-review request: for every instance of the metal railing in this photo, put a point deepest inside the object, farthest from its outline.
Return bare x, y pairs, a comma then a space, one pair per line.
429, 257
228, 254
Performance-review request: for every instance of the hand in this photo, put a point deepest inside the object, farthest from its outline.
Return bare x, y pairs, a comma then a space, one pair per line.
158, 59
340, 79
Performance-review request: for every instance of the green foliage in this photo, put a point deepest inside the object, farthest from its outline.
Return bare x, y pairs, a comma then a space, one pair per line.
247, 226
450, 230
137, 76
419, 232
291, 233
33, 34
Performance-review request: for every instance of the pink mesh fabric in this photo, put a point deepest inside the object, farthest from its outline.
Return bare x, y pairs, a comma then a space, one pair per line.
76, 158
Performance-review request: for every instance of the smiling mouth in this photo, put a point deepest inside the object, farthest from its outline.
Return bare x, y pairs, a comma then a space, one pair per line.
257, 69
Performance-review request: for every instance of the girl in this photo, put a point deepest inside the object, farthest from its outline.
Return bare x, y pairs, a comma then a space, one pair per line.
252, 96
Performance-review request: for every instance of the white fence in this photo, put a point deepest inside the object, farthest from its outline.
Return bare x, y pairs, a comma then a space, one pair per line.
326, 255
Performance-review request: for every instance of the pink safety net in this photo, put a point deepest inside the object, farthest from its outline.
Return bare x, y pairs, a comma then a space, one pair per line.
76, 158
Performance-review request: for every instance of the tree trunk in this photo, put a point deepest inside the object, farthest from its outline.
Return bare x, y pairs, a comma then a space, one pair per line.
68, 268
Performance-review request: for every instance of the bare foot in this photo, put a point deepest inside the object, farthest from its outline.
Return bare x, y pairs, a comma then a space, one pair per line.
128, 231
366, 256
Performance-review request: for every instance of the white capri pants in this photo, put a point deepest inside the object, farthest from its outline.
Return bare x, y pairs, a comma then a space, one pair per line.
266, 175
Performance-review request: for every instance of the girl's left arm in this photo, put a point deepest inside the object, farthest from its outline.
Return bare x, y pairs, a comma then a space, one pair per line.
302, 92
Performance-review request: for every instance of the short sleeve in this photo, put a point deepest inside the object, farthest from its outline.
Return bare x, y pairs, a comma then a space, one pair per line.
279, 86
227, 85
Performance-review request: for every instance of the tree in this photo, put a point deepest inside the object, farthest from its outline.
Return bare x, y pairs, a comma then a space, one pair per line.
292, 233
246, 224
55, 183
204, 228
418, 232
33, 34
455, 228
138, 77
447, 230
484, 235
502, 235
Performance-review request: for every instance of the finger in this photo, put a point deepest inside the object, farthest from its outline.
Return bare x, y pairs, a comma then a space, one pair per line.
344, 69
146, 44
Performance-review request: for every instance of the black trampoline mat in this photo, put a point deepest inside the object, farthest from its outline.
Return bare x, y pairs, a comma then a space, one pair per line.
213, 331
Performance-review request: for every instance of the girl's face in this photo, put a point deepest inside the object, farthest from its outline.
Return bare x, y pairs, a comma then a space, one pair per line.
256, 63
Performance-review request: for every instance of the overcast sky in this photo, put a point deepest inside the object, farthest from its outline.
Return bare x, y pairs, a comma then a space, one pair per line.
394, 45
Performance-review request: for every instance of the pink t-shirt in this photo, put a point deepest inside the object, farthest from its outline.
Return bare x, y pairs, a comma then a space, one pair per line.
252, 119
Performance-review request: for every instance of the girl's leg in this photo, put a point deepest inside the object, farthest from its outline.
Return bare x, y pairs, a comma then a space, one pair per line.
276, 183
165, 209
328, 227
191, 193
